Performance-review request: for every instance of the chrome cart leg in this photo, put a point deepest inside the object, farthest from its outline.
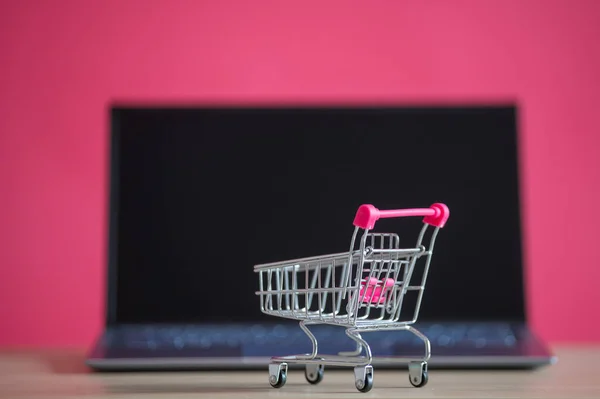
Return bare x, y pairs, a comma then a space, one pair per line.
417, 371
424, 339
313, 339
363, 378
354, 335
363, 374
277, 374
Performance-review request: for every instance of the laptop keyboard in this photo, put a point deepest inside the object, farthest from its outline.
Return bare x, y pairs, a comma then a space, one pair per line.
475, 335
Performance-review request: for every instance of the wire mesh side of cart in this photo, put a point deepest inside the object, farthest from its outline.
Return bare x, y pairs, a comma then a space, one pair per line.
335, 288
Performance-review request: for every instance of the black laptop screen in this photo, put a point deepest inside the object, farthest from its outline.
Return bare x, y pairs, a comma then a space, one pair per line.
201, 195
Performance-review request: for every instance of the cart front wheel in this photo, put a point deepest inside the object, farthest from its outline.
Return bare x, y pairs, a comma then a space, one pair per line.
417, 374
314, 373
422, 383
281, 379
366, 384
363, 378
277, 375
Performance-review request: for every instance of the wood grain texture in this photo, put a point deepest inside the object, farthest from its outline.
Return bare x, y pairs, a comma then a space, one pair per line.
62, 374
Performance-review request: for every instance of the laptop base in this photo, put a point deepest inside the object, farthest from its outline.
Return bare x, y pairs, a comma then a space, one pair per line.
487, 346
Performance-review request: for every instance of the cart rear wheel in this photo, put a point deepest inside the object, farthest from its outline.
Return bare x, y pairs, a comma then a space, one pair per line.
417, 374
366, 385
314, 373
422, 383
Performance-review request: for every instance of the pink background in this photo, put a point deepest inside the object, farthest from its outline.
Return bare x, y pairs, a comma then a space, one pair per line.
62, 61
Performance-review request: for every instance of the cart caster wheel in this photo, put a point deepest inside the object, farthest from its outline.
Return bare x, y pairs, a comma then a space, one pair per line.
277, 375
363, 378
417, 374
314, 373
422, 383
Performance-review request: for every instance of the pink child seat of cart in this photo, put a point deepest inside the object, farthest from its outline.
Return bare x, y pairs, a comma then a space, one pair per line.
375, 290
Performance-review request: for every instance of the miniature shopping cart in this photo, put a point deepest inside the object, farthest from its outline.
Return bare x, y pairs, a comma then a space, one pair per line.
362, 290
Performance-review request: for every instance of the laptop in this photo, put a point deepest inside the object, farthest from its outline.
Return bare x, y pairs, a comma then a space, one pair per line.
199, 195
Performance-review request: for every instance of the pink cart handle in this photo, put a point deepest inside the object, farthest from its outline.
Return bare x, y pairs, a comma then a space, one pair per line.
436, 215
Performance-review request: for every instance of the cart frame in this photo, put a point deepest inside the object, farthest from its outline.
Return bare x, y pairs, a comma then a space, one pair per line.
362, 290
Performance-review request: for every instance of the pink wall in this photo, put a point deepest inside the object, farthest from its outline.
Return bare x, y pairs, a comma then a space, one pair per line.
62, 61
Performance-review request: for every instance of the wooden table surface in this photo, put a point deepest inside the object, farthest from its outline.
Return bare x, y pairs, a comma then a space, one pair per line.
61, 374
